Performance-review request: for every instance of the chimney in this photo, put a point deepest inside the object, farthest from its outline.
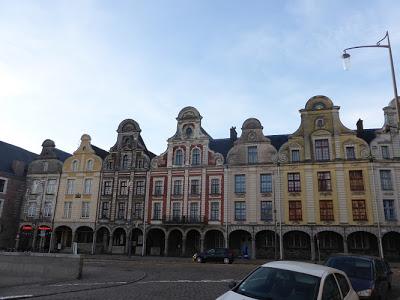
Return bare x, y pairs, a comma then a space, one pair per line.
233, 134
360, 127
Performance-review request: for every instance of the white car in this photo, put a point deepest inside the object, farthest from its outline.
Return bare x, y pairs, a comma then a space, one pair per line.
292, 280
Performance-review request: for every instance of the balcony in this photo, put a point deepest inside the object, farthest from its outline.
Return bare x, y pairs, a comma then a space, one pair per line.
184, 220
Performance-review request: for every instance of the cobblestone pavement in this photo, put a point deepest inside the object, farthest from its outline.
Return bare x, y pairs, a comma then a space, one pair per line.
141, 278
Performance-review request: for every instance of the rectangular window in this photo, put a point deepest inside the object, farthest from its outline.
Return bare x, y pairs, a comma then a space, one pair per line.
326, 210
390, 212
47, 209
252, 155
359, 210
356, 180
67, 210
121, 211
158, 188
85, 210
295, 155
350, 153
240, 184
88, 186
194, 212
214, 213
157, 211
107, 187
322, 149
385, 152
195, 187
105, 207
1, 206
2, 186
123, 187
70, 186
51, 186
178, 187
138, 210
240, 211
176, 211
215, 186
266, 210
295, 213
31, 209
294, 185
265, 183
324, 181
139, 188
386, 180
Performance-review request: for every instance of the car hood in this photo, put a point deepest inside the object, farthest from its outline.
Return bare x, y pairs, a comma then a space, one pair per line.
230, 295
361, 284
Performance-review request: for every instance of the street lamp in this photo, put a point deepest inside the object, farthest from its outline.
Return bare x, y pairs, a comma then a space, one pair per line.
346, 64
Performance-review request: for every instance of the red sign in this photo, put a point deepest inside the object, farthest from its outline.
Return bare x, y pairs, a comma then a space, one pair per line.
27, 228
44, 228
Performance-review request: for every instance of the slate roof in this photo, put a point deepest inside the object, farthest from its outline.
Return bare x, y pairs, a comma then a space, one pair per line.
61, 155
221, 146
100, 152
10, 153
368, 134
277, 140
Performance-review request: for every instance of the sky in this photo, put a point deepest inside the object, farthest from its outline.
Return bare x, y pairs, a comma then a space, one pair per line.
74, 67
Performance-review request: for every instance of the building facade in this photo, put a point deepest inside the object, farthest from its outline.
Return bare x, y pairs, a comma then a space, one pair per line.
77, 201
37, 213
120, 221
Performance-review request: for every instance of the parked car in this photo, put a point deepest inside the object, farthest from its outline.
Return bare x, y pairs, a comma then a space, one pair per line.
290, 280
369, 275
218, 254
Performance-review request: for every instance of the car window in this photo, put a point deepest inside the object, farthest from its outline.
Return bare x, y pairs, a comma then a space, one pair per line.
277, 284
343, 284
211, 251
331, 290
353, 267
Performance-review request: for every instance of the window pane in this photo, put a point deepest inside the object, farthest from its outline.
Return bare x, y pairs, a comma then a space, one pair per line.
252, 154
240, 184
266, 183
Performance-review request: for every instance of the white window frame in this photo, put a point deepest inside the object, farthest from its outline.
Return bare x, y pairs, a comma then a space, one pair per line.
191, 156
153, 210
211, 178
67, 212
51, 188
89, 165
75, 165
183, 157
219, 211
48, 209
350, 146
87, 188
155, 180
291, 155
5, 185
85, 211
70, 189
174, 180
31, 211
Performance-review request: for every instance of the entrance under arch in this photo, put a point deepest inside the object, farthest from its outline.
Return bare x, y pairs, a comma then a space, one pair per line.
175, 243
361, 242
118, 241
214, 239
102, 240
63, 239
84, 238
43, 237
155, 242
192, 242
25, 238
391, 246
240, 243
327, 243
296, 245
267, 244
136, 241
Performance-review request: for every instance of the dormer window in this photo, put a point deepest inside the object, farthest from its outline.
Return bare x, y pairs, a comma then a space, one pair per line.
322, 149
252, 155
189, 132
75, 166
350, 153
125, 161
295, 155
318, 106
109, 165
179, 157
139, 163
385, 152
45, 166
196, 157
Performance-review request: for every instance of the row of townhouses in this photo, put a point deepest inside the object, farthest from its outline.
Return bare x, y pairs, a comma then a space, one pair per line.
324, 188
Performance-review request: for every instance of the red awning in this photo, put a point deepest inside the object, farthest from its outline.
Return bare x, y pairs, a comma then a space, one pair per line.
27, 228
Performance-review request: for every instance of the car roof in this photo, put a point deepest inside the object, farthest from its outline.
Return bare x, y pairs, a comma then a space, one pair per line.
302, 267
361, 256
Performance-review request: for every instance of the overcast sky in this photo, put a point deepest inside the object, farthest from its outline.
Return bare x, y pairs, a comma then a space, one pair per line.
74, 67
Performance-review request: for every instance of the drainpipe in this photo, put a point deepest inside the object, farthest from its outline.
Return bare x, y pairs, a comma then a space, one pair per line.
375, 203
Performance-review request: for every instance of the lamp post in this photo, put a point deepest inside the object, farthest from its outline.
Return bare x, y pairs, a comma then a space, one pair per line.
346, 64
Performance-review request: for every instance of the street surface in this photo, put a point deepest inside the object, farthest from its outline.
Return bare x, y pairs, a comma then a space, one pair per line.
146, 278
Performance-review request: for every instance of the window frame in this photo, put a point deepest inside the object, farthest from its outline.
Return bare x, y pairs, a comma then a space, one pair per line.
359, 211
252, 154
265, 185
322, 149
326, 211
266, 211
240, 183
240, 211
294, 182
356, 181
4, 191
324, 181
295, 211
196, 156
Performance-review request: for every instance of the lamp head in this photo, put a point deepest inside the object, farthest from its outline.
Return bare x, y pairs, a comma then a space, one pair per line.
346, 60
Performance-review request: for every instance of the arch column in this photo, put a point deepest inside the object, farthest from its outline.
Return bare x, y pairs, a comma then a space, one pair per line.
312, 244
110, 242
35, 231
253, 246
93, 251
201, 244
166, 245
183, 246
345, 247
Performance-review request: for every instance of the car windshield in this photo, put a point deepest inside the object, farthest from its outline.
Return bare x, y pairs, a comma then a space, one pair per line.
275, 284
354, 267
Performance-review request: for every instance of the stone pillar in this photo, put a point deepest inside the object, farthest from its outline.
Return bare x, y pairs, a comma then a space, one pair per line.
34, 239
110, 243
94, 243
345, 247
166, 246
201, 244
52, 238
183, 247
128, 244
253, 247
312, 244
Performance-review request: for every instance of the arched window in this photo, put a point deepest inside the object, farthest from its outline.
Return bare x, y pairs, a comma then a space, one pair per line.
196, 156
139, 163
110, 165
89, 166
125, 161
75, 166
178, 157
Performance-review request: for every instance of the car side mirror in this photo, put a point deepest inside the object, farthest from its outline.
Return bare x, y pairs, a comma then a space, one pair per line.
232, 284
